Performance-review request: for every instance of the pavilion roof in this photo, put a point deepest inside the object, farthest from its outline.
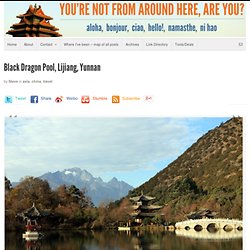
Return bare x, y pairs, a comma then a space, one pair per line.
201, 213
151, 207
146, 207
34, 11
142, 197
31, 213
28, 24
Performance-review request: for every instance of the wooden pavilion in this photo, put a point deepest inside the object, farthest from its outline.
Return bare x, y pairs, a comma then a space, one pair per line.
143, 208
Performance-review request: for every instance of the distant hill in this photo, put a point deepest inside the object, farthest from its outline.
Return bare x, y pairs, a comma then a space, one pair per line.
98, 190
207, 175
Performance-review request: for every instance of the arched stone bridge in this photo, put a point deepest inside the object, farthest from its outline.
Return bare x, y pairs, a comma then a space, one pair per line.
205, 234
210, 224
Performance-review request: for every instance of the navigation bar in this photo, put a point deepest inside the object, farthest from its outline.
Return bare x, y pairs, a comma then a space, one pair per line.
125, 44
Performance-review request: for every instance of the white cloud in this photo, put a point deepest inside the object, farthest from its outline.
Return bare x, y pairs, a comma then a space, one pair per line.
38, 145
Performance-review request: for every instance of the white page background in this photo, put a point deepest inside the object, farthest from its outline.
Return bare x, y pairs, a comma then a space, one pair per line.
182, 83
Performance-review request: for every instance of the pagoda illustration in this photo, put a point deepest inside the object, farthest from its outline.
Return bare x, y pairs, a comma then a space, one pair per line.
34, 23
143, 208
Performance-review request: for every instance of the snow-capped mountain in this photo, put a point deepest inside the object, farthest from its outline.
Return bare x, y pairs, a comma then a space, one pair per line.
96, 188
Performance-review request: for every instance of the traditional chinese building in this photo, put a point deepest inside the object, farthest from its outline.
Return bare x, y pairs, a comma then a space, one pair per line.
34, 23
202, 214
143, 207
30, 216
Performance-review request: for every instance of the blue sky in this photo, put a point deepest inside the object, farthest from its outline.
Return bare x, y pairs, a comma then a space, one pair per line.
131, 149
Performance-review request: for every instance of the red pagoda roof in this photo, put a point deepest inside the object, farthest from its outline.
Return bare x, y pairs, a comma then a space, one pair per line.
34, 11
34, 23
26, 23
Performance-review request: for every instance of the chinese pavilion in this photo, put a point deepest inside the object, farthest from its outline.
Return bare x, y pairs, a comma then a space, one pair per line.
30, 216
202, 214
34, 23
143, 207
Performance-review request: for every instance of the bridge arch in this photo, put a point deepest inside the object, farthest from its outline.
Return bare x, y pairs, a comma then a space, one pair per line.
212, 227
228, 228
198, 227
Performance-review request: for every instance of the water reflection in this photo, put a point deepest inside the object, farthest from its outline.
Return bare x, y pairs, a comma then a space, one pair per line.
213, 235
33, 245
114, 240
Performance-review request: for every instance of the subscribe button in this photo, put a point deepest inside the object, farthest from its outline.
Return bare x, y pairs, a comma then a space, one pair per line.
118, 99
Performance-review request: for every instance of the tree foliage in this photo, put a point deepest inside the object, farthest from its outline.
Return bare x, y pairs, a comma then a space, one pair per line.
207, 175
68, 204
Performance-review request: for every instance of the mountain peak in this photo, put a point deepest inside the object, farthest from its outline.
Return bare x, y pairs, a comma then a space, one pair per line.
113, 180
98, 190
